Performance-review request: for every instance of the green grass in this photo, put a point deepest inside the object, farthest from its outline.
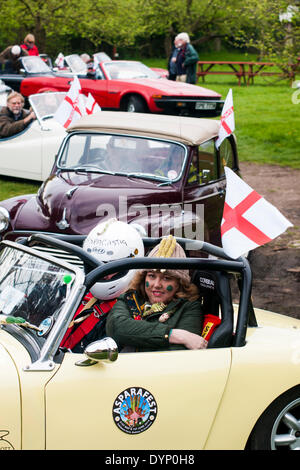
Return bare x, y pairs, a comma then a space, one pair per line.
9, 187
266, 120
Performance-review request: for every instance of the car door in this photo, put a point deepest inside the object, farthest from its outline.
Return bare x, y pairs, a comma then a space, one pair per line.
13, 80
205, 186
155, 400
98, 89
21, 153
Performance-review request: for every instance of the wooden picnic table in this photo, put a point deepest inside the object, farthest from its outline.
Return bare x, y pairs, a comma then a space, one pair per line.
243, 70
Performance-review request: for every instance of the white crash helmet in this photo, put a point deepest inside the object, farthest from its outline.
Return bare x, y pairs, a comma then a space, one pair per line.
16, 50
114, 240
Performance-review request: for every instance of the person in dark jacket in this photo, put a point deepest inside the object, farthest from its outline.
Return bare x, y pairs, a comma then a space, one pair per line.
13, 118
9, 57
160, 311
172, 66
187, 59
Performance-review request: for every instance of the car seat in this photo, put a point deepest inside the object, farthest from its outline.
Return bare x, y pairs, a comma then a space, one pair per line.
214, 289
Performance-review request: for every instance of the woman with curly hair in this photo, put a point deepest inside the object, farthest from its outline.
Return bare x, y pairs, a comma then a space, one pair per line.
161, 310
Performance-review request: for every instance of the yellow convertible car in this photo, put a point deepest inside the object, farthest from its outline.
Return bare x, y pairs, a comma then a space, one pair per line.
242, 392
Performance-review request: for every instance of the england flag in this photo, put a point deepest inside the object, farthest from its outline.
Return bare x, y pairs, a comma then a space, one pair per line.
248, 220
227, 119
72, 107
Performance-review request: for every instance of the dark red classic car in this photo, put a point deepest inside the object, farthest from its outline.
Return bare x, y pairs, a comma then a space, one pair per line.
163, 173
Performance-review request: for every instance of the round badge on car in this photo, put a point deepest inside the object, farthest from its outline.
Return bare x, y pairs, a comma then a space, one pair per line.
45, 326
134, 410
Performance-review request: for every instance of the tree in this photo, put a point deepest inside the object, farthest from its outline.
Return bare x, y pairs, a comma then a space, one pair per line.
44, 19
275, 34
203, 20
56, 22
113, 21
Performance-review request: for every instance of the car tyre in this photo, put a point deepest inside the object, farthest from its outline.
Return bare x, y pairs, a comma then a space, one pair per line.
135, 104
279, 426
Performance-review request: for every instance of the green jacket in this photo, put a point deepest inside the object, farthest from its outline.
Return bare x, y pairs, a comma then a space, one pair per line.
190, 63
149, 334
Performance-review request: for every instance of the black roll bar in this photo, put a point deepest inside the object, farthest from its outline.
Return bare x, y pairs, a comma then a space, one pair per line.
95, 270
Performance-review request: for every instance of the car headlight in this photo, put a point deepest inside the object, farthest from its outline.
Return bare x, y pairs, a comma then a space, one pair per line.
4, 219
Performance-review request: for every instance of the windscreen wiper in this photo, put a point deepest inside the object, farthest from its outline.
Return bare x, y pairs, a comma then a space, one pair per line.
85, 169
148, 176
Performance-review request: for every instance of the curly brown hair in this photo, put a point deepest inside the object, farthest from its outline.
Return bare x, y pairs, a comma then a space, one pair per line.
186, 290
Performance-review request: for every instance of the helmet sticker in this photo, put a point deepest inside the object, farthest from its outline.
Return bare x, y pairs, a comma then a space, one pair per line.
134, 410
105, 246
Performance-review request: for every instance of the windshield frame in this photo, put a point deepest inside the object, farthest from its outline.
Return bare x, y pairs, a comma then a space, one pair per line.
31, 59
153, 177
74, 59
32, 101
107, 65
50, 347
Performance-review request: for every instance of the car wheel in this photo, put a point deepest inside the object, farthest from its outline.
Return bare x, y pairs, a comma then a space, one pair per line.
135, 104
279, 426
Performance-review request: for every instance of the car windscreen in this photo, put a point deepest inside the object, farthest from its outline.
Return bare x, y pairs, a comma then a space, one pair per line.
34, 64
45, 104
76, 64
102, 57
31, 287
118, 70
122, 154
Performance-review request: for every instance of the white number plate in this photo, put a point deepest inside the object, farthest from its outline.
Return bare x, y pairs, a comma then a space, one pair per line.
207, 105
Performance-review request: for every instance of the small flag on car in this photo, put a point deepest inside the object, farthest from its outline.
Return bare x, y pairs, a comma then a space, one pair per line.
72, 107
227, 119
59, 61
91, 105
95, 62
248, 219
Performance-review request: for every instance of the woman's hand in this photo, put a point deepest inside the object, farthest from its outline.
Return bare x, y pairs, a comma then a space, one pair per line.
188, 339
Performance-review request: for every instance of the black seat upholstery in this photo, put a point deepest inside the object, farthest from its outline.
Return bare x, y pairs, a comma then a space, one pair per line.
214, 288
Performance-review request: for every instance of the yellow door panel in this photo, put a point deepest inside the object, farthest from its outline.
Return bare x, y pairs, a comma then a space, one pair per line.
158, 400
10, 406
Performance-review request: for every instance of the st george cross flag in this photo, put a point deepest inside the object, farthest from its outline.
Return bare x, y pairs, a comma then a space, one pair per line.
248, 220
95, 62
72, 107
59, 61
227, 119
91, 105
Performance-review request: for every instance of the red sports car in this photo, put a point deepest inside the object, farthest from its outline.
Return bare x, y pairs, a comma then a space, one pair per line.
131, 86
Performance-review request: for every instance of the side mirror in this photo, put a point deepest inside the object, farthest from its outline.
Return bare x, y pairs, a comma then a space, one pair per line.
205, 175
104, 350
